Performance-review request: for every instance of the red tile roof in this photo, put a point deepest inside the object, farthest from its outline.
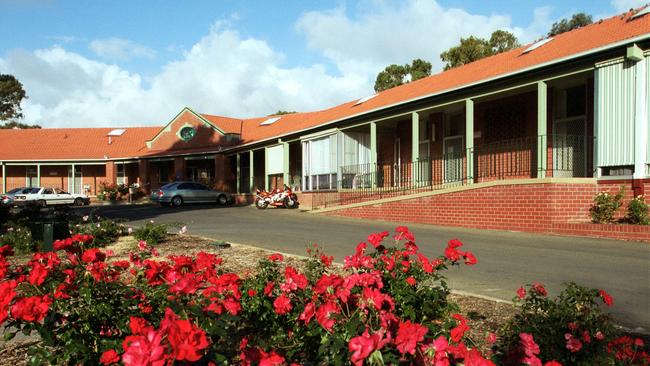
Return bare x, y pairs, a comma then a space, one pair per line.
73, 143
92, 143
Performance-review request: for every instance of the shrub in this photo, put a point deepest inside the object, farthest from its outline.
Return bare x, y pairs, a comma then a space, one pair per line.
153, 233
108, 191
20, 239
605, 206
389, 305
104, 230
570, 329
637, 211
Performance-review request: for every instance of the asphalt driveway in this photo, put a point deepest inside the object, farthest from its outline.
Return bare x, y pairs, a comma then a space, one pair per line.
506, 260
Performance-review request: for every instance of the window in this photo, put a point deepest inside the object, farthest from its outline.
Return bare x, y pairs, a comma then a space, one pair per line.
48, 191
163, 174
275, 159
31, 177
572, 102
187, 133
121, 176
186, 186
320, 163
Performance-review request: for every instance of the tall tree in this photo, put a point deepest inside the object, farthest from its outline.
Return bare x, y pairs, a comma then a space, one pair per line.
577, 20
11, 95
396, 75
282, 112
18, 125
475, 48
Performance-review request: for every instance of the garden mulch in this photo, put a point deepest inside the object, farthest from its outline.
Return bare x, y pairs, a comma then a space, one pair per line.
484, 315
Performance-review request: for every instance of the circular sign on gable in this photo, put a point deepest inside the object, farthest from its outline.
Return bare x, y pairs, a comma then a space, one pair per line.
187, 133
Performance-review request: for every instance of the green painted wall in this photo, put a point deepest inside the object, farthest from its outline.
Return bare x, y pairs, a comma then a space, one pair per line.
615, 103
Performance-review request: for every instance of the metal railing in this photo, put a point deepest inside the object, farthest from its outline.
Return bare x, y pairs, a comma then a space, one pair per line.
567, 156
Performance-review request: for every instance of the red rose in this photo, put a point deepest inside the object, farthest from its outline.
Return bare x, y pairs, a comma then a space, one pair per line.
93, 255
411, 281
31, 309
324, 315
109, 357
282, 305
271, 359
187, 340
539, 288
308, 313
364, 345
607, 298
276, 257
528, 344
144, 350
573, 344
552, 363
409, 335
470, 259
38, 274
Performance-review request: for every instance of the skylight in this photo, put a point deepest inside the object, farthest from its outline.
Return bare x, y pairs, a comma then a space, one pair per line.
538, 44
117, 132
270, 121
365, 99
643, 12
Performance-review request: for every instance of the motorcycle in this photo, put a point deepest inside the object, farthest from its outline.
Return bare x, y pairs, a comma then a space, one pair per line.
277, 197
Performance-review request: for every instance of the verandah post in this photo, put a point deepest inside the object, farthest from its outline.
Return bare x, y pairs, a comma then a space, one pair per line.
542, 93
238, 183
469, 139
251, 172
4, 178
285, 163
373, 153
415, 147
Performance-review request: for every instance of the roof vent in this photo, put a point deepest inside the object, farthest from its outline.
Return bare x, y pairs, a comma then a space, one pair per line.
537, 45
270, 121
641, 12
365, 99
117, 132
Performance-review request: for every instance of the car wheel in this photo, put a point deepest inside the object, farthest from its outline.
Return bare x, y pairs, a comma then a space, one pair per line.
222, 200
177, 201
78, 202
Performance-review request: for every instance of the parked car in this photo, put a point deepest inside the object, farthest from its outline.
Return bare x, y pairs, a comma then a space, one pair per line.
8, 198
44, 196
179, 193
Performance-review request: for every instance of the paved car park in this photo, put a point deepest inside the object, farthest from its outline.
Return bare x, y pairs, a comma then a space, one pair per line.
506, 260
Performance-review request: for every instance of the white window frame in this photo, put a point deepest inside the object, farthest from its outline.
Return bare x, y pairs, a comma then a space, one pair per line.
311, 182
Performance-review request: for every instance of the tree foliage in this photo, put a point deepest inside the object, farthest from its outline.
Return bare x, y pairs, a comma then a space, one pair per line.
577, 20
282, 112
18, 125
475, 48
11, 95
396, 75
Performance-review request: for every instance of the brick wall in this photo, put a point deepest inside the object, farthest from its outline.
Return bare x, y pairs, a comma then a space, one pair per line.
561, 208
529, 207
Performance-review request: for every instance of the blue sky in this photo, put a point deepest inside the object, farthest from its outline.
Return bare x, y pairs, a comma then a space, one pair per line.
137, 62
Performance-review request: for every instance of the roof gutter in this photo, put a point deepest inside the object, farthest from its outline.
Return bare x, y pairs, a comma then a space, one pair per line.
464, 86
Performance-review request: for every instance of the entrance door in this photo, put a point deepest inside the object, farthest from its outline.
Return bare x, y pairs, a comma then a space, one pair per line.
397, 166
569, 148
77, 187
453, 159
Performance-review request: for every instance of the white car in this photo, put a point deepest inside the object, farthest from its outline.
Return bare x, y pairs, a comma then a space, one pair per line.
45, 196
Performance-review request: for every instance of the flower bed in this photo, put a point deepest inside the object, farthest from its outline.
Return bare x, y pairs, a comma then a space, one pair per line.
390, 305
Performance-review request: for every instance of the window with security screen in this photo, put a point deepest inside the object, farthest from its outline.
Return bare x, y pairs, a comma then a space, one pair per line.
505, 121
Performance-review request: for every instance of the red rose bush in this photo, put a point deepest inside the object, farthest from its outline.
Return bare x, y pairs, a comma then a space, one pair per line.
388, 305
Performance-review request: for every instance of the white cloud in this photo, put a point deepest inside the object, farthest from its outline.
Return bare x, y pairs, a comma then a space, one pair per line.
384, 33
227, 74
622, 6
220, 74
120, 49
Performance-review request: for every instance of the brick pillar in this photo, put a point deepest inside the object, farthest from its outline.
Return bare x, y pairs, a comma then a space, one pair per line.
110, 172
143, 175
179, 168
220, 171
